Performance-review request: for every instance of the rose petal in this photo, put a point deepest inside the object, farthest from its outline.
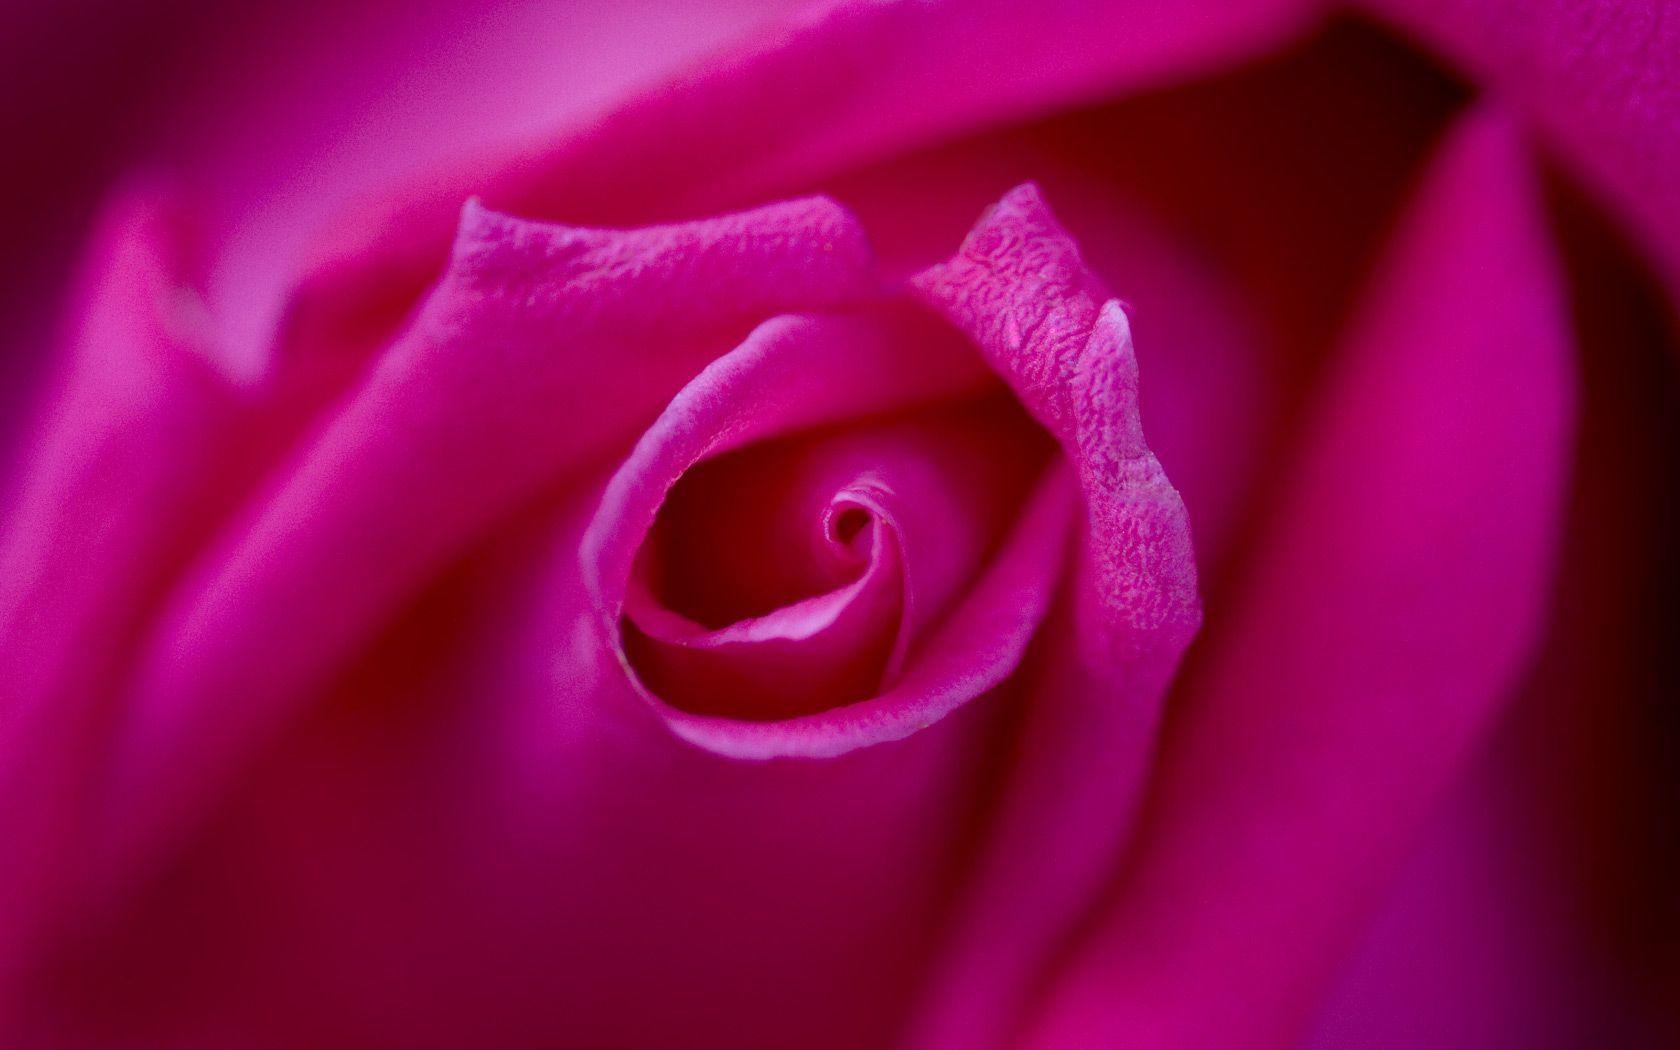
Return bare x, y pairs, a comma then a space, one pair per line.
111, 498
815, 654
1234, 288
846, 82
932, 490
1473, 944
1021, 291
1601, 80
1389, 613
971, 652
918, 481
494, 391
482, 835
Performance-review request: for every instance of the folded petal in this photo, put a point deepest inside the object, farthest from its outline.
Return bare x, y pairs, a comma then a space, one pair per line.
1021, 291
1391, 609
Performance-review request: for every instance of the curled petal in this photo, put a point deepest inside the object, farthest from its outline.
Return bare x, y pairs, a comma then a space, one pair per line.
928, 488
1021, 291
822, 652
1042, 320
1391, 609
971, 651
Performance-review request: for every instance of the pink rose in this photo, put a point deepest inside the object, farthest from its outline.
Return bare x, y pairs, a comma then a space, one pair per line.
718, 575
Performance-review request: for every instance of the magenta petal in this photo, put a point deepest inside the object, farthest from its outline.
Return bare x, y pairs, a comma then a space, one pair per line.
1021, 291
1474, 943
484, 837
918, 500
802, 371
1602, 82
818, 653
972, 651
1391, 610
112, 497
494, 391
844, 83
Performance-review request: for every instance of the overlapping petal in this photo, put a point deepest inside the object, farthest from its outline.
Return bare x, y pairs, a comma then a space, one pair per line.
925, 491
106, 506
496, 389
1387, 617
1601, 81
1019, 288
846, 82
1390, 608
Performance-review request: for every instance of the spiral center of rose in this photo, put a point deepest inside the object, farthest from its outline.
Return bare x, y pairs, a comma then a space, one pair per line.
799, 574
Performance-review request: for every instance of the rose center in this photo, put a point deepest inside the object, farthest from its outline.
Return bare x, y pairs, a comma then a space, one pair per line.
799, 574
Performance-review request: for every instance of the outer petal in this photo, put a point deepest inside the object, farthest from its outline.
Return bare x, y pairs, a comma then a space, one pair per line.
1540, 910
1020, 290
543, 348
1602, 80
1393, 605
848, 81
108, 504
483, 835
1474, 945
